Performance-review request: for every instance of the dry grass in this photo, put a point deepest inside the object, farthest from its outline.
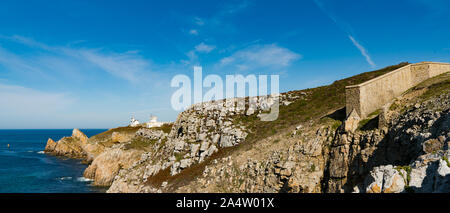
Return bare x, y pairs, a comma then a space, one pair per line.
140, 143
104, 136
166, 128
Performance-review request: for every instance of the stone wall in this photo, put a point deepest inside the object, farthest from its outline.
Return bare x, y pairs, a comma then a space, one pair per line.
371, 95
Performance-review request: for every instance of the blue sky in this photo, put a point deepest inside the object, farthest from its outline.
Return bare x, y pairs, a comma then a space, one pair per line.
91, 64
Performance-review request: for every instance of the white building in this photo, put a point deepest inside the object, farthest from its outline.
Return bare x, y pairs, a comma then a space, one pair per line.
154, 122
133, 122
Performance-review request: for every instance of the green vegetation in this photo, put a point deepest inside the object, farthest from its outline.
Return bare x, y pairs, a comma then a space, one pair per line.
364, 123
437, 88
178, 156
408, 172
446, 160
334, 124
313, 168
375, 113
166, 128
408, 188
371, 122
394, 106
140, 143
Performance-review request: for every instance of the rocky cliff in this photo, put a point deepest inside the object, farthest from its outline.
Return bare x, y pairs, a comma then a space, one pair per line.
213, 147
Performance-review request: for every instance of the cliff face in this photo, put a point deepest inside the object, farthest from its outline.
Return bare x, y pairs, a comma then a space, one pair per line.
402, 148
212, 147
409, 155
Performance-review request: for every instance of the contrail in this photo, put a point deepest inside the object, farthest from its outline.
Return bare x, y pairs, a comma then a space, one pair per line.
348, 30
363, 51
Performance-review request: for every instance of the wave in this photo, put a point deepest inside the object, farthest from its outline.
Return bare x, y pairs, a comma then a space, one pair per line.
83, 179
66, 178
41, 152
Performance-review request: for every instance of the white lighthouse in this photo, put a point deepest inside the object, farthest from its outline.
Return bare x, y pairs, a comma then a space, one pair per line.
154, 122
133, 122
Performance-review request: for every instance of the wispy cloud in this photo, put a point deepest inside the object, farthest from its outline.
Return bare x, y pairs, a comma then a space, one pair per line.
348, 30
20, 101
259, 56
230, 9
216, 20
362, 50
193, 32
199, 21
129, 65
202, 47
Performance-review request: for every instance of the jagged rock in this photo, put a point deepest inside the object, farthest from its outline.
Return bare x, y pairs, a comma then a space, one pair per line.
432, 145
194, 149
77, 134
215, 139
352, 121
250, 111
175, 168
151, 170
432, 176
51, 145
202, 137
107, 165
179, 146
226, 141
385, 179
286, 169
185, 163
211, 150
204, 146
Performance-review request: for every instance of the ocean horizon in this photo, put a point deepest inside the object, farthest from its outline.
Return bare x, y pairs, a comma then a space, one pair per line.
25, 168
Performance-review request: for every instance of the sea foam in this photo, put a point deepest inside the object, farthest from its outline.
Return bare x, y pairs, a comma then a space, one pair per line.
83, 179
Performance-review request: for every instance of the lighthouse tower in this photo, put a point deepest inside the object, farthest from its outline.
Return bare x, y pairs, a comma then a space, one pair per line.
133, 122
154, 122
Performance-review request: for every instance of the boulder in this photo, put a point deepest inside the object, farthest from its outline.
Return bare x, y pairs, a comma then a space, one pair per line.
107, 165
179, 145
185, 163
194, 149
432, 145
51, 145
384, 179
211, 150
204, 146
77, 134
352, 121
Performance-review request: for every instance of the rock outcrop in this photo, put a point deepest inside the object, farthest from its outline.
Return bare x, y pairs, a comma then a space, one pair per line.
107, 152
106, 166
68, 146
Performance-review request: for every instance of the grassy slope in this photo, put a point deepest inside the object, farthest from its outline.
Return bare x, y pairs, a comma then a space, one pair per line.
320, 102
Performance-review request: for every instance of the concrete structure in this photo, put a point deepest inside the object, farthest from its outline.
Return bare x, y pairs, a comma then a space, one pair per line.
371, 95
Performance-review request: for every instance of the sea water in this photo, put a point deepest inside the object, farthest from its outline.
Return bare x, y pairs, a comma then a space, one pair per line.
25, 168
